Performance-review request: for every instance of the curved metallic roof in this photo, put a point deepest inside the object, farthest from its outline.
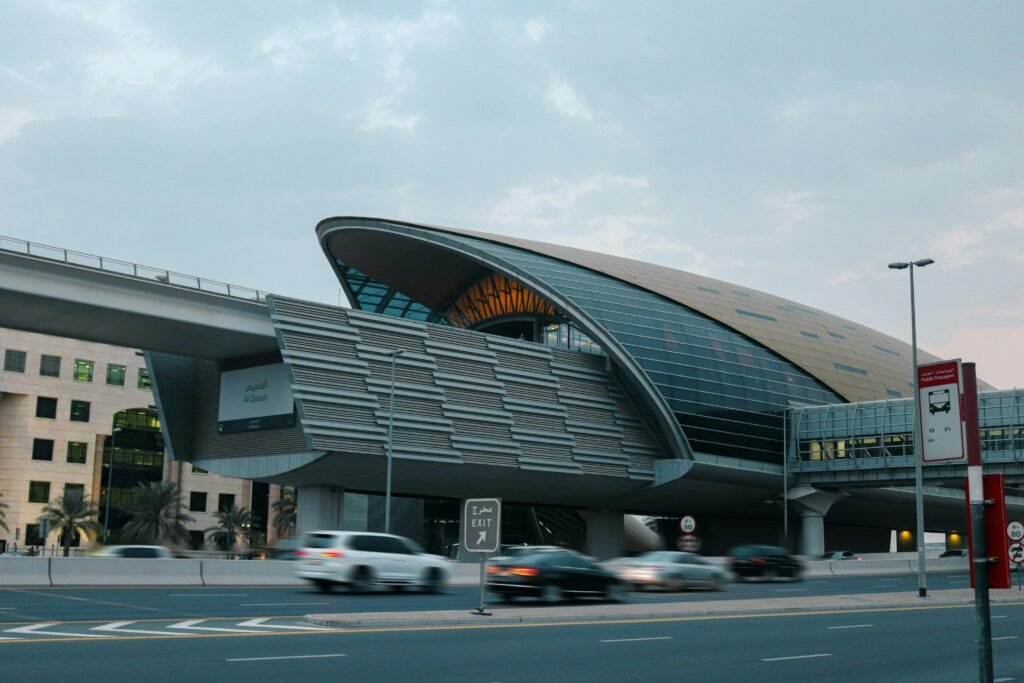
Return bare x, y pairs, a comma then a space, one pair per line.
858, 363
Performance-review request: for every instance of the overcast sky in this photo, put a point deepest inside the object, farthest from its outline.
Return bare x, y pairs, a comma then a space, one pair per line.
792, 147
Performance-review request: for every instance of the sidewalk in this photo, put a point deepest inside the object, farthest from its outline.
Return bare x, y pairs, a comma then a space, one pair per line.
536, 613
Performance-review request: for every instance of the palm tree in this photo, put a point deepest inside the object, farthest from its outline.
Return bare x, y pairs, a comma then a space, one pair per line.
156, 515
230, 525
2, 506
285, 512
70, 513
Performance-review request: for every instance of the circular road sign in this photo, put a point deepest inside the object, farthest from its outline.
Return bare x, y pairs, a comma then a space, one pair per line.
1015, 530
691, 544
1017, 553
688, 524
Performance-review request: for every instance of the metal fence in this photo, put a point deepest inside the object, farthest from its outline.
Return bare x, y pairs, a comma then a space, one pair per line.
133, 270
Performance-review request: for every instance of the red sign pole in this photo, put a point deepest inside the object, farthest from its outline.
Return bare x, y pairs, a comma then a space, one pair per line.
976, 496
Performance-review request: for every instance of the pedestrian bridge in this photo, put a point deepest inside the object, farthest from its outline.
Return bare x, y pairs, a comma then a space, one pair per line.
872, 443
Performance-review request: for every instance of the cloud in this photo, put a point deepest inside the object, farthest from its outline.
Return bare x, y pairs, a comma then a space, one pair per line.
844, 277
994, 349
792, 208
12, 121
536, 30
566, 100
999, 237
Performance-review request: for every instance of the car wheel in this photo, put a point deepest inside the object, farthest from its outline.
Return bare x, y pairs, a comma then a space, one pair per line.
615, 592
433, 581
674, 584
324, 586
506, 597
362, 580
550, 593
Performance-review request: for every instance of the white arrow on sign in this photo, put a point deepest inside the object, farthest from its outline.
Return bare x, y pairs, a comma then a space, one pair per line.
1015, 530
1017, 553
482, 538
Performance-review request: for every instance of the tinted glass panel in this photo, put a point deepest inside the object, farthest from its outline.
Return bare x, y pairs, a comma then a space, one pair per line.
42, 449
49, 366
80, 411
115, 374
77, 452
46, 407
14, 361
83, 370
39, 492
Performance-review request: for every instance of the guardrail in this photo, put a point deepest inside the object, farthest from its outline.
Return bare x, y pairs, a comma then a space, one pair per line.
148, 273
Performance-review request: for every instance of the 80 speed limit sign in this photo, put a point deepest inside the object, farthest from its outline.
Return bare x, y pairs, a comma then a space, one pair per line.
1015, 531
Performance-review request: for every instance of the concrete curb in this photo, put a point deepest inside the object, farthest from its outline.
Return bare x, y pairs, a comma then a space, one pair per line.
505, 615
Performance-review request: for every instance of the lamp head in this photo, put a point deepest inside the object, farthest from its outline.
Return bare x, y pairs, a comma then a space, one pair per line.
899, 265
923, 262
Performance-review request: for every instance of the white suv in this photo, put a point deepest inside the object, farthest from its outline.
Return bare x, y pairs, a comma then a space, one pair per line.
362, 560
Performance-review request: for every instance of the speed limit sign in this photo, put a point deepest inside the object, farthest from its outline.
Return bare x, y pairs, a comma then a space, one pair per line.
1015, 531
688, 524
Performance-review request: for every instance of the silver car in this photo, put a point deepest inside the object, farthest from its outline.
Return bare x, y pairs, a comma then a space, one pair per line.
670, 570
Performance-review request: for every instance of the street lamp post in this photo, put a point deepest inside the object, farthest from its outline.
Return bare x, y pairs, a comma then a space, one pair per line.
922, 581
110, 483
391, 419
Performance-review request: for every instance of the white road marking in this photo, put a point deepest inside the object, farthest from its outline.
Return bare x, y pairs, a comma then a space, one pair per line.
1006, 638
34, 630
191, 625
268, 659
835, 628
1003, 680
634, 640
998, 616
789, 590
279, 604
258, 623
207, 595
782, 659
890, 579
115, 627
4, 638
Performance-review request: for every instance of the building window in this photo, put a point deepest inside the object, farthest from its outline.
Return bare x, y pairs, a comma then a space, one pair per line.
39, 492
197, 501
143, 378
77, 452
225, 502
115, 374
42, 449
83, 370
80, 411
49, 366
14, 361
74, 490
46, 407
32, 536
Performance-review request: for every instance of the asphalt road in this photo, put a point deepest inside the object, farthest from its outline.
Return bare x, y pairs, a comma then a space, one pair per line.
29, 605
905, 645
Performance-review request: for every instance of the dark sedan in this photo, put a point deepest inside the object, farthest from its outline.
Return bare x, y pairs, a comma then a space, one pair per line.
764, 561
552, 576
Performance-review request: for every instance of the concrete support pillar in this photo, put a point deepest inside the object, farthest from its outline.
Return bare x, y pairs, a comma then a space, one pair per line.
605, 533
319, 507
813, 504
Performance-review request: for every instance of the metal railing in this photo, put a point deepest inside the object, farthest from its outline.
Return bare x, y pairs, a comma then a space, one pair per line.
148, 273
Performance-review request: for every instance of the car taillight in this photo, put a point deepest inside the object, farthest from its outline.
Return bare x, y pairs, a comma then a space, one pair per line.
300, 553
493, 570
524, 571
757, 560
332, 553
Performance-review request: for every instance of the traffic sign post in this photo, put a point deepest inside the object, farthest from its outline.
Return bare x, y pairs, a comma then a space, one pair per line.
481, 533
1015, 533
940, 387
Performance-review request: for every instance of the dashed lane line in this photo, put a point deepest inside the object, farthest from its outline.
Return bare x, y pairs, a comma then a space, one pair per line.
279, 604
635, 640
270, 659
783, 659
837, 628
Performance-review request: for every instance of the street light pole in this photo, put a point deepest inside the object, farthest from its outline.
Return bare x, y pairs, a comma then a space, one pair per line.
391, 419
922, 580
110, 483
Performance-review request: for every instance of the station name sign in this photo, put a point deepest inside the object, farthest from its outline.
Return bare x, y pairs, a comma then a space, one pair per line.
255, 398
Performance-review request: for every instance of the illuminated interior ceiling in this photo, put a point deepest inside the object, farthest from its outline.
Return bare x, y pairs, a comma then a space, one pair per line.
495, 296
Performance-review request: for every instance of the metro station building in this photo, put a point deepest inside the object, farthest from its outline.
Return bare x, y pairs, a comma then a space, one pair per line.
577, 387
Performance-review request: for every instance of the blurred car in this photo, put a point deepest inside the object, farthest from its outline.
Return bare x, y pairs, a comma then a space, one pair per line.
144, 552
962, 552
509, 552
552, 576
17, 553
764, 561
840, 555
362, 560
670, 570
286, 549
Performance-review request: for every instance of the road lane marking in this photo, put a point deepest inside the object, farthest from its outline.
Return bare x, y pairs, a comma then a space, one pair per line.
191, 625
269, 659
1006, 638
35, 627
635, 640
835, 628
116, 627
258, 623
998, 616
279, 604
782, 659
199, 594
789, 590
1003, 680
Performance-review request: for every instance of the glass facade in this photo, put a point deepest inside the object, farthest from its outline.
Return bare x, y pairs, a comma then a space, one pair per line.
115, 374
14, 361
83, 370
728, 393
885, 428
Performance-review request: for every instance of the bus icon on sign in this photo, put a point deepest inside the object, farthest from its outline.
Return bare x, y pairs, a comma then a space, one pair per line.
938, 401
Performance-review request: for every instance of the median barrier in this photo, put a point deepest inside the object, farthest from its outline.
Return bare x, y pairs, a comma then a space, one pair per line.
109, 571
249, 573
24, 571
867, 567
